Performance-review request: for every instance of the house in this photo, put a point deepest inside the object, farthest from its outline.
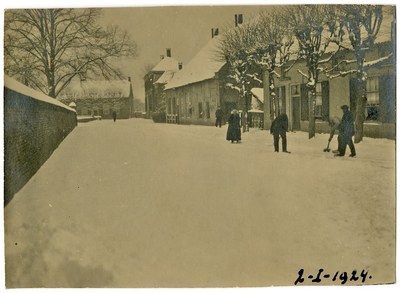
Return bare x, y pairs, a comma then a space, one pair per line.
155, 80
331, 93
101, 98
195, 92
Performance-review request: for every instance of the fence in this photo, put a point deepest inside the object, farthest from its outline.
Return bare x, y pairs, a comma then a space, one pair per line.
172, 118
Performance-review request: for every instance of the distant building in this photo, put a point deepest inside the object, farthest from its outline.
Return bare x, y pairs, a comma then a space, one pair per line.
256, 113
195, 92
102, 98
155, 80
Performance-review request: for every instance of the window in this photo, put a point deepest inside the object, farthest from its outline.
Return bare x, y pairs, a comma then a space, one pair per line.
318, 101
280, 100
182, 113
200, 110
186, 106
304, 106
296, 90
208, 109
372, 105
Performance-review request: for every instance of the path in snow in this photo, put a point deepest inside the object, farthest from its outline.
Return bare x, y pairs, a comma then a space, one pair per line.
138, 204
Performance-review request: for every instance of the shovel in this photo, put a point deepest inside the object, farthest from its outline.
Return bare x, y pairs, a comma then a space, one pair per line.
327, 148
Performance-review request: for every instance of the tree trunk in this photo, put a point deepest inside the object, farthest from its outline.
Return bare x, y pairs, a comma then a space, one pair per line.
267, 101
311, 104
360, 110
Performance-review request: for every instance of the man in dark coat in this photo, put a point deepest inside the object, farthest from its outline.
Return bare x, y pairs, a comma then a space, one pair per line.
218, 116
114, 116
346, 131
279, 127
233, 133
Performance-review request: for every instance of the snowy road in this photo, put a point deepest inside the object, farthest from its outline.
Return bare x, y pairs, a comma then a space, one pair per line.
138, 204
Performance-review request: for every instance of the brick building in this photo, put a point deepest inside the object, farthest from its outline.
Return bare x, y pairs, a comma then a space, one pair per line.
102, 98
155, 80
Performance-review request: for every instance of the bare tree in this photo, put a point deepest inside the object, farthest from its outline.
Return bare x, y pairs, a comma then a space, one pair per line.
236, 48
147, 67
362, 24
272, 50
48, 48
310, 25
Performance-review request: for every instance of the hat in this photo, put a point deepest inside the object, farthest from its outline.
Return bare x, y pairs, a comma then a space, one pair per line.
344, 107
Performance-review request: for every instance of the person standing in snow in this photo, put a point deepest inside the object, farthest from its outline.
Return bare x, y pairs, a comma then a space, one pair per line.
346, 132
114, 116
334, 124
218, 116
233, 133
279, 127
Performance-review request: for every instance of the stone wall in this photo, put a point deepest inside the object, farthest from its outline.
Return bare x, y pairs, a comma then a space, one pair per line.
33, 128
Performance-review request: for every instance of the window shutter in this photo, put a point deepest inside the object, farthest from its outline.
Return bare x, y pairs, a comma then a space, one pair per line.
304, 102
325, 100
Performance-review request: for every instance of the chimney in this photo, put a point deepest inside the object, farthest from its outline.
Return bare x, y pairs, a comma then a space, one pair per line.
212, 33
161, 57
180, 65
168, 52
238, 19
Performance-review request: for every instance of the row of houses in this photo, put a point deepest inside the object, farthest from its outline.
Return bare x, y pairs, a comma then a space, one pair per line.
193, 93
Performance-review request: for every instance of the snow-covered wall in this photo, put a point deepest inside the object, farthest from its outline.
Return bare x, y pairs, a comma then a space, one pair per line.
34, 126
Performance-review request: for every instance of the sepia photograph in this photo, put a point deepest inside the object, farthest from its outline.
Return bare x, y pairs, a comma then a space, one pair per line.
199, 145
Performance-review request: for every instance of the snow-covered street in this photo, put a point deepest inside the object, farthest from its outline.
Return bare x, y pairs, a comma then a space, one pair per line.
139, 204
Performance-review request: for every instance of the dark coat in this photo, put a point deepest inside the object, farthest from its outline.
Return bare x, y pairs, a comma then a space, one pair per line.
219, 113
233, 128
346, 127
280, 124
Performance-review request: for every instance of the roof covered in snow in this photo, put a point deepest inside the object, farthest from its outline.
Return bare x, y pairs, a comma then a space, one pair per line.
168, 63
18, 87
202, 67
102, 89
258, 92
166, 77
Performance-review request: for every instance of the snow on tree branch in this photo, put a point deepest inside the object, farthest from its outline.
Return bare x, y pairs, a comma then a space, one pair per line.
378, 61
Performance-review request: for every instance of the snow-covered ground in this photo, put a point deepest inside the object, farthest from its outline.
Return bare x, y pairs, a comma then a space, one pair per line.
138, 204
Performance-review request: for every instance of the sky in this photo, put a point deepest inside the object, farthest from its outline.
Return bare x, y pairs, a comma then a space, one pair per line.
158, 25
185, 30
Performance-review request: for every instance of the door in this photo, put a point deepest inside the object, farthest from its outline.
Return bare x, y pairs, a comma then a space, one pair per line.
296, 113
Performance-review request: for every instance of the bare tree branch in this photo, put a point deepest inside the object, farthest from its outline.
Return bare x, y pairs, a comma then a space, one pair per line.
48, 48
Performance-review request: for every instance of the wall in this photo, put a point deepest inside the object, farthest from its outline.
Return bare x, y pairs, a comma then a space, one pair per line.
33, 129
188, 97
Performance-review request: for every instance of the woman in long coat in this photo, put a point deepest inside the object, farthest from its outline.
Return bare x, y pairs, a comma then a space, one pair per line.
233, 133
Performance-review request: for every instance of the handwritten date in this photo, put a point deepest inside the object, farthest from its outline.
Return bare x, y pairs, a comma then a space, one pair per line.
342, 277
